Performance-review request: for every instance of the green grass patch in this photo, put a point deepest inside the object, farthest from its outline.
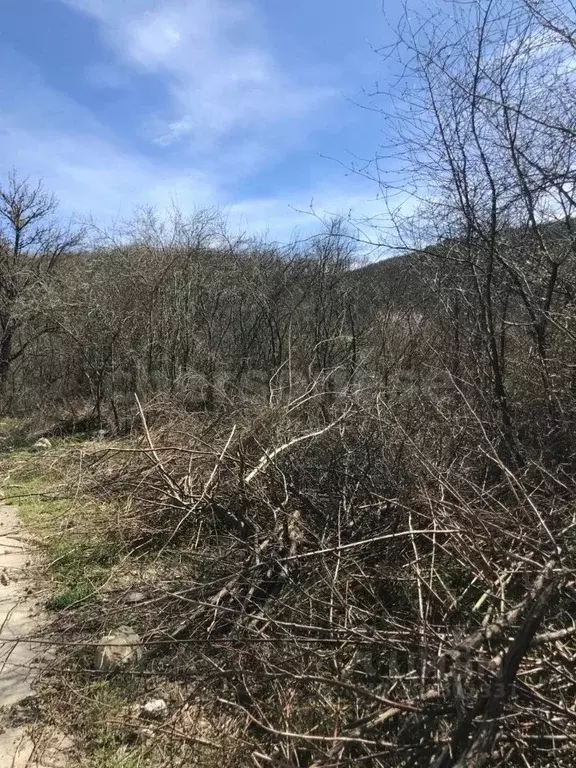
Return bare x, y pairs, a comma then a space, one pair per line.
111, 756
69, 597
72, 530
83, 551
105, 715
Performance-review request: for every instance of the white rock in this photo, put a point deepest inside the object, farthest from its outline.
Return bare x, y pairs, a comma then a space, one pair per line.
134, 597
117, 648
156, 708
41, 445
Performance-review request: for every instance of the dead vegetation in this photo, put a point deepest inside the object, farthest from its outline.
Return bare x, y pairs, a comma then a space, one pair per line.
322, 594
344, 500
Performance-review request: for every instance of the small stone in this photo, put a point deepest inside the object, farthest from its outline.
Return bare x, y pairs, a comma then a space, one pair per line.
155, 709
43, 444
4, 578
134, 597
117, 648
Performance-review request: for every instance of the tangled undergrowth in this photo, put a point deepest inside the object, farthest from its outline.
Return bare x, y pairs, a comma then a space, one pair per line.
316, 594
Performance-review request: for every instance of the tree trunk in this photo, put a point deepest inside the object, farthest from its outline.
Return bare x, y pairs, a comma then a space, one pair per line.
6, 343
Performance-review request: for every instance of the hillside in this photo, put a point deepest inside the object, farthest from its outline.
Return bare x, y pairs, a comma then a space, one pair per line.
330, 509
280, 510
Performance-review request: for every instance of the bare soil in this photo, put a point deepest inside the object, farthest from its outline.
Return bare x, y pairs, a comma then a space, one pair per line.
21, 659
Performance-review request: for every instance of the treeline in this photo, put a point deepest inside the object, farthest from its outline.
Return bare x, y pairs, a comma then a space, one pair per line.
173, 305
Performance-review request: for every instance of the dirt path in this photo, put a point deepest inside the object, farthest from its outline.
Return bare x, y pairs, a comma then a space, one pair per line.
19, 612
20, 661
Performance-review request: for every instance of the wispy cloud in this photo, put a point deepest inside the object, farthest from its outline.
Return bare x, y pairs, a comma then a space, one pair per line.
46, 134
230, 104
219, 73
93, 177
299, 214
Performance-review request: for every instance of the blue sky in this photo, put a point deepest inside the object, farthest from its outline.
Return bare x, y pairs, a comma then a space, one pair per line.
230, 103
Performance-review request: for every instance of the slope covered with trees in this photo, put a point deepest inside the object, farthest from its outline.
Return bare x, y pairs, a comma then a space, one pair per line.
360, 481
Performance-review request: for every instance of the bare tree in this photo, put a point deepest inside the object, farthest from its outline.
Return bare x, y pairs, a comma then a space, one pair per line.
482, 128
31, 243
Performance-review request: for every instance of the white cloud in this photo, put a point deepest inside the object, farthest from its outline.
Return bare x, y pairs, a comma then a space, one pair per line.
47, 134
92, 176
218, 72
90, 173
300, 213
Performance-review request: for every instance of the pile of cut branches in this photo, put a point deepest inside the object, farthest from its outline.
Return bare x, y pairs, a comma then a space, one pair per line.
347, 599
